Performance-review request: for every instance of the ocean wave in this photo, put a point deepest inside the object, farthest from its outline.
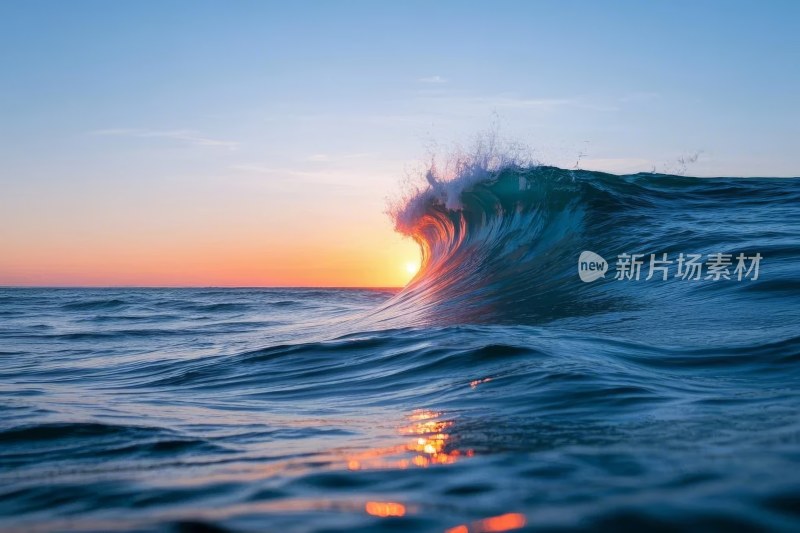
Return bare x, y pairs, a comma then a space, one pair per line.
500, 244
566, 427
110, 303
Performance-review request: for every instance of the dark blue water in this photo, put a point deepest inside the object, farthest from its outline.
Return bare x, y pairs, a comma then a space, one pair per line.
497, 392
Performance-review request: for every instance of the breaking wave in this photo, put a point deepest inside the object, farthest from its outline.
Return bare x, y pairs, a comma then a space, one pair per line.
500, 240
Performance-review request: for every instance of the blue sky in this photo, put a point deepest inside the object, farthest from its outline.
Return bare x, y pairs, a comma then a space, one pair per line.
158, 117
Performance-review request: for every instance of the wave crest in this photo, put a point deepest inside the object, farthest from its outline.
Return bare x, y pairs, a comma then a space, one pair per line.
500, 237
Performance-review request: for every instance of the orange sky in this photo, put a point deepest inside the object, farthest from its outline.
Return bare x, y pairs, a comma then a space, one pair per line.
321, 267
122, 223
377, 258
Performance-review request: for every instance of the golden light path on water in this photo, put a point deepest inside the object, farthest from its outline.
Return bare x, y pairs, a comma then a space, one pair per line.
428, 445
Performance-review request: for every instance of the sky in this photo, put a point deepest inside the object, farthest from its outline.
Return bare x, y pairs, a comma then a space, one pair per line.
255, 143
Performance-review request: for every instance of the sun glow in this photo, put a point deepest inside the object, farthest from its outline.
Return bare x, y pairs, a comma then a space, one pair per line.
412, 267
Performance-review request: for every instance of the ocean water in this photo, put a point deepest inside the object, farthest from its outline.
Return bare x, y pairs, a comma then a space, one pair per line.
497, 392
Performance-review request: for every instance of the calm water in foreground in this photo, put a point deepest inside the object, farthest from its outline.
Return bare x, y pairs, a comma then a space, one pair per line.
158, 409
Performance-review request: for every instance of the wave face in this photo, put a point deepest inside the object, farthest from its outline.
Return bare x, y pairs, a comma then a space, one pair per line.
496, 392
503, 248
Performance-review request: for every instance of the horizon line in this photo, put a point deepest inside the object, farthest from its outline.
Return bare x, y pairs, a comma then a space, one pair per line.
339, 287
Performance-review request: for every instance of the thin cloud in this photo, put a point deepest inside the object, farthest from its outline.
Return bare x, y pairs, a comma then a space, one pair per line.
433, 79
187, 136
347, 171
526, 103
285, 176
469, 105
512, 102
328, 158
